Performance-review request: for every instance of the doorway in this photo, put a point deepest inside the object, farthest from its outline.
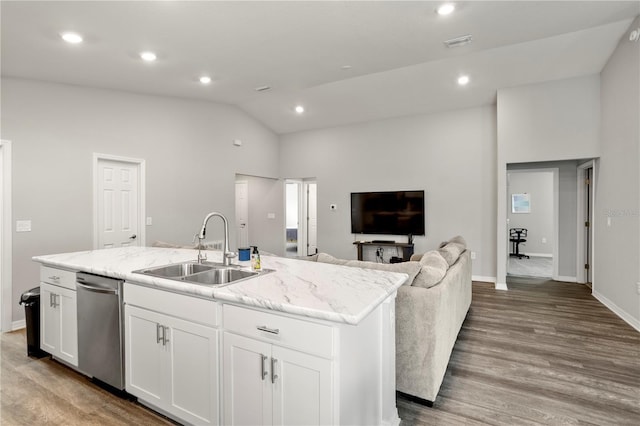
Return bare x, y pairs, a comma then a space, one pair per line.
119, 202
532, 217
5, 237
242, 213
301, 223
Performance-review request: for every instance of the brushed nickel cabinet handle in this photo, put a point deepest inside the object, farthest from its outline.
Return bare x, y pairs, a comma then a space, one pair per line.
263, 370
158, 338
274, 376
268, 330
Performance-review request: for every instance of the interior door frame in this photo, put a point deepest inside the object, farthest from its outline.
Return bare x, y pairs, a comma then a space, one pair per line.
305, 204
6, 241
140, 165
581, 275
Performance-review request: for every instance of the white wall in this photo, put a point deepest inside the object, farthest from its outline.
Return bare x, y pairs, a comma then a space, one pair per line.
557, 120
191, 163
450, 155
539, 221
617, 247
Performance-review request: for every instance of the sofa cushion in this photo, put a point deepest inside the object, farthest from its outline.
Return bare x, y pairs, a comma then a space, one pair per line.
460, 240
409, 268
432, 271
327, 258
451, 252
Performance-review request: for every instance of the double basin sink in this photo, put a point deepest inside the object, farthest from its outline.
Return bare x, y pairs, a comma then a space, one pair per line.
207, 273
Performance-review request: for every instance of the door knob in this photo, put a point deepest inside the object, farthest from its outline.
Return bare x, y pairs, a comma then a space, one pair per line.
133, 237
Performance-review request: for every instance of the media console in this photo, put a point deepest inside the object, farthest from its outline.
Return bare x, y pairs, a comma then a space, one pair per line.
407, 249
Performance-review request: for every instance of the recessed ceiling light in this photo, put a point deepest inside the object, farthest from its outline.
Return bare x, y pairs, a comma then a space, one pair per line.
148, 56
73, 38
345, 67
446, 9
299, 109
463, 80
205, 79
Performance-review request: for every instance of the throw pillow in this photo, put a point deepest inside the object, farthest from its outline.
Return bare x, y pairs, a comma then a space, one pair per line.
409, 268
460, 240
434, 258
327, 258
451, 252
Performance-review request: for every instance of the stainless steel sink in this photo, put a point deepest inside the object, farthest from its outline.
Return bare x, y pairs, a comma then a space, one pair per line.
176, 270
218, 276
209, 274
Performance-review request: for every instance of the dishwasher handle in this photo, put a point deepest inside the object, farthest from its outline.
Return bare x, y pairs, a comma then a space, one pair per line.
97, 289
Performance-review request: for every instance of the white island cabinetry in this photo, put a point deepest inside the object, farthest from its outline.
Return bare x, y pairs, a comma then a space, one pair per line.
266, 383
58, 314
171, 358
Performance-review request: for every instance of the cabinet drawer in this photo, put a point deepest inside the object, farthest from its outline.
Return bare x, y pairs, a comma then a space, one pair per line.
58, 277
177, 305
297, 334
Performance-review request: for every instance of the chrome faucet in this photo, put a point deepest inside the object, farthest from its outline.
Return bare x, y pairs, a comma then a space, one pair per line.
226, 255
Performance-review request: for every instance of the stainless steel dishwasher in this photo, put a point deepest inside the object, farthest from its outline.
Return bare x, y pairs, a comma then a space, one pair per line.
100, 329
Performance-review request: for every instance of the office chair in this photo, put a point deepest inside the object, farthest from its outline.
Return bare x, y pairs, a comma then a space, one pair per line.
517, 236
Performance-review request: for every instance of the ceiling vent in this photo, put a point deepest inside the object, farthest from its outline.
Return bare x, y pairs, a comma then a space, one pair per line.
262, 88
458, 41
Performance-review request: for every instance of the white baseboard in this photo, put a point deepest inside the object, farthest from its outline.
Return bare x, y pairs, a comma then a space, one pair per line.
483, 279
633, 322
501, 286
566, 279
539, 254
17, 325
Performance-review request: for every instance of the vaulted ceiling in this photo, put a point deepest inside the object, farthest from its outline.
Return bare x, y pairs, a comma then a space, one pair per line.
344, 61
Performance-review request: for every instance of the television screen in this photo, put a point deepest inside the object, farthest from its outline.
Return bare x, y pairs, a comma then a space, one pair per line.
388, 213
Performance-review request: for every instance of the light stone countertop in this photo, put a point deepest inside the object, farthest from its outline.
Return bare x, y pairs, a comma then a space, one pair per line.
316, 290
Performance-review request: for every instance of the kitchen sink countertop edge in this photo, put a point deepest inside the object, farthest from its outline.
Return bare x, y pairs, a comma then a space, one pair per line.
316, 290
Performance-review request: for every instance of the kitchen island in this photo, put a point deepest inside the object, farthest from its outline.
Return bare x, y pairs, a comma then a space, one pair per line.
307, 343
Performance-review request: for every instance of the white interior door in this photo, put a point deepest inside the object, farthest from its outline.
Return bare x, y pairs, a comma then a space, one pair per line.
242, 213
312, 218
119, 209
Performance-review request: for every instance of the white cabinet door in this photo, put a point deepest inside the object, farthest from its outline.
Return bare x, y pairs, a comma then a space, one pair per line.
266, 384
301, 389
247, 381
68, 311
145, 356
193, 371
49, 319
172, 364
59, 323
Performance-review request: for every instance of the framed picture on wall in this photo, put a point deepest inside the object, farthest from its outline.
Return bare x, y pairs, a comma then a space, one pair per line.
520, 203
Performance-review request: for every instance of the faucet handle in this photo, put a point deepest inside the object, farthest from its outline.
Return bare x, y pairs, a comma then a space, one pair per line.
230, 255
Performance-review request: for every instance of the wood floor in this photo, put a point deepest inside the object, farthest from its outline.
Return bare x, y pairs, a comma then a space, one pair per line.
541, 353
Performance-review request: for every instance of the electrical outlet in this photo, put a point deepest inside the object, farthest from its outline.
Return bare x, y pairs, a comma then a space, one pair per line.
544, 240
473, 255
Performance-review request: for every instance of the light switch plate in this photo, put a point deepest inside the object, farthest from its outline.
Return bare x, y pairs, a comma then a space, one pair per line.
271, 215
149, 221
23, 226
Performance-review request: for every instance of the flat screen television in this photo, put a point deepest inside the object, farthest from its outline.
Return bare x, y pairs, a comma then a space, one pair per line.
387, 213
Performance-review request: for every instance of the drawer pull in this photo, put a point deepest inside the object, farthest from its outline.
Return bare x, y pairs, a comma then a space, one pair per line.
54, 277
268, 330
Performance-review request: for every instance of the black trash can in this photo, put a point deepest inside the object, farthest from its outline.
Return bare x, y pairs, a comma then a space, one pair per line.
31, 301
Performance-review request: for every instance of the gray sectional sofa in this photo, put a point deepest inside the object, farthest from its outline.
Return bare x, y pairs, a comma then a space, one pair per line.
430, 309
